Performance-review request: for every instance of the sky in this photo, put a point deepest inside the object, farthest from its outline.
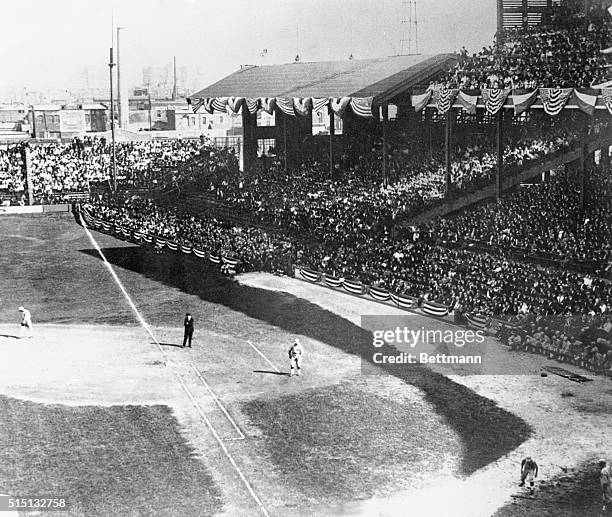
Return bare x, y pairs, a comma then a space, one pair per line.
45, 44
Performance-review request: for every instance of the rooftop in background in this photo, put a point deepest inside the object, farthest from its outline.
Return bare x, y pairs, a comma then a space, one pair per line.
382, 78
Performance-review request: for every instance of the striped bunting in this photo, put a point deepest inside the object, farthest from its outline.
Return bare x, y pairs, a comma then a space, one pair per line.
199, 253
339, 105
478, 320
172, 245
444, 99
230, 261
352, 286
362, 106
435, 309
105, 226
606, 96
585, 99
267, 104
523, 101
554, 99
467, 102
494, 99
219, 104
147, 238
402, 301
379, 294
235, 103
185, 249
311, 276
126, 233
208, 105
420, 101
215, 259
197, 105
285, 105
318, 103
302, 106
252, 105
332, 281
137, 235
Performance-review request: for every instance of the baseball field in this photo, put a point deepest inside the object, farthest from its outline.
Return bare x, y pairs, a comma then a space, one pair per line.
111, 412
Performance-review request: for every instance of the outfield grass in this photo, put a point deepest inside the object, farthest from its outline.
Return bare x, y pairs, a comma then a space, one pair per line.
120, 460
339, 443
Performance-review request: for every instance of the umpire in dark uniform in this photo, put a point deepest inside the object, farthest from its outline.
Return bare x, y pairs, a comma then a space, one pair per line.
188, 324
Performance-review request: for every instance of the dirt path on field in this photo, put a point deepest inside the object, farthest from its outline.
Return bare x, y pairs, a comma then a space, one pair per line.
571, 421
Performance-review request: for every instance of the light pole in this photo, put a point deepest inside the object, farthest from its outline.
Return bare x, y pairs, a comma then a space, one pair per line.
111, 64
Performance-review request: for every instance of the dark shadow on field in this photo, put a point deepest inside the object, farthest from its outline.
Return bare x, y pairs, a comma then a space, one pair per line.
487, 431
271, 372
10, 336
169, 344
117, 460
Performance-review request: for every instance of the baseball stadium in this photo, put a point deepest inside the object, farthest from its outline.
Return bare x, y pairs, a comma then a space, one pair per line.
449, 194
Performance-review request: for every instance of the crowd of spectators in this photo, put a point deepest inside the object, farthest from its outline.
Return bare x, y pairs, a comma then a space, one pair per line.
546, 219
563, 51
60, 169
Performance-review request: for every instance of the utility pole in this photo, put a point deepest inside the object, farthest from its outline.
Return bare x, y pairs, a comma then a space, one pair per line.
174, 84
119, 103
111, 64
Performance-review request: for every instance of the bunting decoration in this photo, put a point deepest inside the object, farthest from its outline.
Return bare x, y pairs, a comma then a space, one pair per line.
494, 99
197, 105
523, 101
332, 281
477, 320
267, 104
352, 286
252, 105
420, 101
606, 95
554, 99
285, 105
362, 106
219, 104
311, 276
585, 99
208, 106
339, 105
379, 295
215, 259
302, 106
402, 301
435, 309
318, 103
468, 102
444, 99
235, 103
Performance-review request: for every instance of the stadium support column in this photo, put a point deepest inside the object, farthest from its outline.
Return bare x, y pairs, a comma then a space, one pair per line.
385, 151
27, 161
500, 154
583, 164
500, 20
332, 132
285, 141
448, 134
248, 138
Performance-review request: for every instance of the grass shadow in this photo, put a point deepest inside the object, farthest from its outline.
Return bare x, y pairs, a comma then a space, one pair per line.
486, 430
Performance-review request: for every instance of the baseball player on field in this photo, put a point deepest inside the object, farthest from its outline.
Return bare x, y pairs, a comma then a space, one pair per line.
605, 480
26, 322
529, 471
295, 357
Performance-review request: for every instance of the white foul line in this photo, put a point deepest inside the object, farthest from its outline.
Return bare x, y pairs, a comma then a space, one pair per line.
224, 448
185, 388
127, 296
264, 357
221, 406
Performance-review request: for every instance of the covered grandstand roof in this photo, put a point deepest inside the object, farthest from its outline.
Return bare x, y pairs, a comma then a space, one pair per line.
381, 78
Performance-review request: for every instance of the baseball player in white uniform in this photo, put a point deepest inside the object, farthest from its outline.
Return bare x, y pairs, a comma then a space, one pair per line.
295, 358
26, 322
605, 479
